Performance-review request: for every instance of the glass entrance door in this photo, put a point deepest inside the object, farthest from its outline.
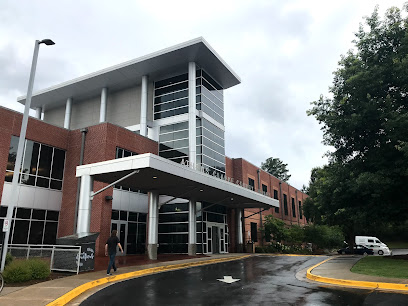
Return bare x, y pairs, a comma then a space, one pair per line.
216, 238
121, 227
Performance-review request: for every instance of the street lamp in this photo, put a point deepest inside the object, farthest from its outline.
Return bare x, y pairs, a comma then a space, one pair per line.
20, 148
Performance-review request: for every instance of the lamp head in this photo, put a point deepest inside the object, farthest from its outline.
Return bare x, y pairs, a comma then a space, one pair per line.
48, 42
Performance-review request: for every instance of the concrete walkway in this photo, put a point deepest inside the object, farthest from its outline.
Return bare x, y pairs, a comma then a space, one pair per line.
337, 267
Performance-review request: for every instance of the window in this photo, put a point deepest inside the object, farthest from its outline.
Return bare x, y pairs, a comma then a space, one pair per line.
275, 196
300, 210
293, 208
254, 232
171, 97
251, 183
42, 165
32, 226
285, 204
264, 189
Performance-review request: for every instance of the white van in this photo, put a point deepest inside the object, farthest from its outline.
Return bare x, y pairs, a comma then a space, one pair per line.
373, 243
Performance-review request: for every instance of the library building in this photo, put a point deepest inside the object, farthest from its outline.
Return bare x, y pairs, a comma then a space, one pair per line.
139, 147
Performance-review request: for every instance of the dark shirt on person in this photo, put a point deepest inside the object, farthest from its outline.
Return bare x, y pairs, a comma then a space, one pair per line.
112, 243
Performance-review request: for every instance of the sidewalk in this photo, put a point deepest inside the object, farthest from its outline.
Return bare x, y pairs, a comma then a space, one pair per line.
336, 271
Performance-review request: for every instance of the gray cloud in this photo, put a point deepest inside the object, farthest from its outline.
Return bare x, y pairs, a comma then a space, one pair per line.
284, 52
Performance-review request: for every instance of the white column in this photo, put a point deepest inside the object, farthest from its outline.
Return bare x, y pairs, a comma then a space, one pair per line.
240, 239
192, 114
85, 205
38, 112
192, 237
143, 107
68, 111
153, 225
104, 98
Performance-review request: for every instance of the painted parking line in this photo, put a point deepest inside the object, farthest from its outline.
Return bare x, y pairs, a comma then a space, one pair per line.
352, 283
69, 296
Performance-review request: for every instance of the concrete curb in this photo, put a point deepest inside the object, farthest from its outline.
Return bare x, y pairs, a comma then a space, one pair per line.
67, 297
352, 283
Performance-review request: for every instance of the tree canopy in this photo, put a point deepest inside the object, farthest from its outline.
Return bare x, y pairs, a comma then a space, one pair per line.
277, 168
366, 121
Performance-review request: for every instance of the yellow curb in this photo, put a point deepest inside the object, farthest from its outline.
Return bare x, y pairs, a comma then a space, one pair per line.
352, 283
89, 285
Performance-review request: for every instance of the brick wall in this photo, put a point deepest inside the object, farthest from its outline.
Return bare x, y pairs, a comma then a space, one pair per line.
241, 170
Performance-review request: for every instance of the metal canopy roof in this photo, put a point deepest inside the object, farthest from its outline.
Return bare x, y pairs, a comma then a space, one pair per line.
127, 74
156, 173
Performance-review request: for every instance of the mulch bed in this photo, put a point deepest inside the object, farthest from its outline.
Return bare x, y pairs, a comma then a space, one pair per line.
405, 257
53, 275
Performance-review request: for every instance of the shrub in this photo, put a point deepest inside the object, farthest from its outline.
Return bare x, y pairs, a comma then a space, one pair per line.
17, 272
9, 259
25, 270
39, 268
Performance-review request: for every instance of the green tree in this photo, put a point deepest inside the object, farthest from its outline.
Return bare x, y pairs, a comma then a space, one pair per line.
365, 121
274, 228
277, 168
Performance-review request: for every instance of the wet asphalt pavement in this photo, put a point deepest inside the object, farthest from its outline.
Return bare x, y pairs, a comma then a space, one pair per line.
263, 280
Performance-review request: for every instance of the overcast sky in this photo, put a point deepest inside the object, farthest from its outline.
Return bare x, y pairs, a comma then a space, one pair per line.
284, 52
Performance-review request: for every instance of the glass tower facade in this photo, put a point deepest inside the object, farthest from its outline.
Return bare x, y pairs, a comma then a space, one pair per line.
171, 99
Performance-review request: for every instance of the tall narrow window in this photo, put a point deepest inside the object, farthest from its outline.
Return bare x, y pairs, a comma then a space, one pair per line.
251, 183
264, 189
285, 204
293, 208
254, 232
300, 210
275, 196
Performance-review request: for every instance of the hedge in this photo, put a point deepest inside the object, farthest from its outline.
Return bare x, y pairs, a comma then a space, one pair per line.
24, 270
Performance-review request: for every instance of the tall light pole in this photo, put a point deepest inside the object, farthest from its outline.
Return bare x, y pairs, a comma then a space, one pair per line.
20, 148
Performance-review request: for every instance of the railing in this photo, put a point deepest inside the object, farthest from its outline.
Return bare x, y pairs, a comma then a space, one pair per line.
61, 257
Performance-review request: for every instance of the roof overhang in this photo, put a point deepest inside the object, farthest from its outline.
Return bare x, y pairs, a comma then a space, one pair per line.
127, 74
155, 173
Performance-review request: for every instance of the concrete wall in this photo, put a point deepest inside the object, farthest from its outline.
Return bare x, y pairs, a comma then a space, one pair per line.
55, 116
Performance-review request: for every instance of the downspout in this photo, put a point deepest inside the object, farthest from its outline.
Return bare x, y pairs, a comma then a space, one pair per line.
81, 161
260, 209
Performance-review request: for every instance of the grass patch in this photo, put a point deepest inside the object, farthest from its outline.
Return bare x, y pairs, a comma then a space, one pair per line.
382, 266
397, 245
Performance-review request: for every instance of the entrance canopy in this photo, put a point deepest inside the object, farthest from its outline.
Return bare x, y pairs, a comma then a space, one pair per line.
155, 173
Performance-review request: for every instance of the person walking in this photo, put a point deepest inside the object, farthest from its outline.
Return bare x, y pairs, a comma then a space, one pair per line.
110, 250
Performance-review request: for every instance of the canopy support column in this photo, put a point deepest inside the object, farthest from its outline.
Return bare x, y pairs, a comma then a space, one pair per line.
153, 225
192, 237
85, 204
240, 239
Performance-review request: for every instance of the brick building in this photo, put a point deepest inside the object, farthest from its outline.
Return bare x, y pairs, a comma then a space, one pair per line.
153, 129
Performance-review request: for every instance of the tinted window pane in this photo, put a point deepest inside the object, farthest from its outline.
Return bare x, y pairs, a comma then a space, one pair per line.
12, 153
31, 157
132, 216
38, 214
21, 231
23, 213
58, 164
57, 185
173, 228
43, 182
52, 215
44, 165
36, 232
142, 217
50, 232
3, 211
27, 179
115, 215
123, 215
173, 217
